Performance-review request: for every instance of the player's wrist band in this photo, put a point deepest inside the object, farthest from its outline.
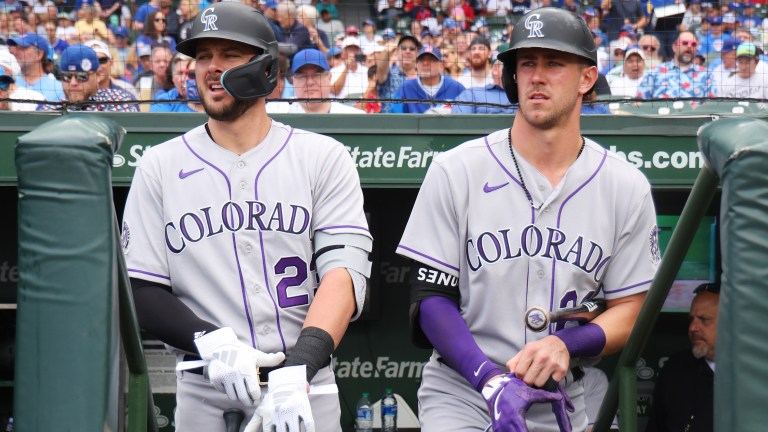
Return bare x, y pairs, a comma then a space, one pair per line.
313, 348
583, 341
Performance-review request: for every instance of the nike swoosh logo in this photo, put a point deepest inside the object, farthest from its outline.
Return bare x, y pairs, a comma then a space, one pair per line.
183, 175
496, 412
488, 189
481, 366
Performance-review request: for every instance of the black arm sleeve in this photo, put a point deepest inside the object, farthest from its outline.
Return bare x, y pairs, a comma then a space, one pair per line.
165, 316
425, 282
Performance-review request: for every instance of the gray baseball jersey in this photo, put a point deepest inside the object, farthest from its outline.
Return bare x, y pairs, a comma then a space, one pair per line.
594, 234
232, 234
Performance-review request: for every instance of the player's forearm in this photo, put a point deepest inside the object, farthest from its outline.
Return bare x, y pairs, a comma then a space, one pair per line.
617, 321
333, 305
449, 334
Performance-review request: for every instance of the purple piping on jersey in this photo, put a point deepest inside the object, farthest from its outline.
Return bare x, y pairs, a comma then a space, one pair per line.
148, 273
428, 257
630, 287
559, 216
343, 226
261, 239
498, 161
234, 245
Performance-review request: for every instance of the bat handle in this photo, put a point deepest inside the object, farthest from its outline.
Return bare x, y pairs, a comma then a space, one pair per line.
550, 385
233, 418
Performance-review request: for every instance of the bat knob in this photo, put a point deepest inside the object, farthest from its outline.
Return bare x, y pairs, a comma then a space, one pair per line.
536, 318
233, 418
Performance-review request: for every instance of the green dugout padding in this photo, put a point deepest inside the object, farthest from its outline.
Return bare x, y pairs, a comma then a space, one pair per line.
737, 150
66, 337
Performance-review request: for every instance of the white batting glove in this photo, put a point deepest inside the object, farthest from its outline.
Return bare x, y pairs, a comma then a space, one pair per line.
233, 365
286, 408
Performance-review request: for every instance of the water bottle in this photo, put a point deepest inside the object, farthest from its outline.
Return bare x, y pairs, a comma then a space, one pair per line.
9, 426
388, 412
364, 417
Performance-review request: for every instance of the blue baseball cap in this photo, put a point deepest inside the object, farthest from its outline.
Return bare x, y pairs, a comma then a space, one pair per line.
388, 34
309, 56
729, 44
79, 58
450, 23
715, 20
334, 51
32, 39
119, 31
269, 4
369, 21
430, 50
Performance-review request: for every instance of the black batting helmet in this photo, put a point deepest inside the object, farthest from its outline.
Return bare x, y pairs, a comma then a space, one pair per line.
241, 23
551, 28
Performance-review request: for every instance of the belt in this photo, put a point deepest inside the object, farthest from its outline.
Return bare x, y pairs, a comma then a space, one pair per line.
262, 372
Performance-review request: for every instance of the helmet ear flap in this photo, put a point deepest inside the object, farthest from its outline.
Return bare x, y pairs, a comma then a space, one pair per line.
251, 80
509, 81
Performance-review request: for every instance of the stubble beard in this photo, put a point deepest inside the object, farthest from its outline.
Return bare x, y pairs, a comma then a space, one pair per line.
228, 112
549, 119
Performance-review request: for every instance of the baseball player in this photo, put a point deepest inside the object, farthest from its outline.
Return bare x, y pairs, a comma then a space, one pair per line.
533, 215
246, 242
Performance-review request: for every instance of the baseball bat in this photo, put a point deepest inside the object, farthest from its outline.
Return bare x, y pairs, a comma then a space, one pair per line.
537, 318
233, 418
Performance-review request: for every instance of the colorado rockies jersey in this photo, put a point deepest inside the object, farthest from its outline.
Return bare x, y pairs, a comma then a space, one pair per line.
232, 234
594, 235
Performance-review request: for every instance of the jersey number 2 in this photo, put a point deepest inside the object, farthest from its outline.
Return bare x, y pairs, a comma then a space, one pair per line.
282, 266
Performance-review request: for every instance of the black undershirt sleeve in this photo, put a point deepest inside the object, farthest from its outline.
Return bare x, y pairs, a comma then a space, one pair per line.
165, 316
425, 282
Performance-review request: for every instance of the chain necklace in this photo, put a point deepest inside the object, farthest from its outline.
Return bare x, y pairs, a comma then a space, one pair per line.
520, 175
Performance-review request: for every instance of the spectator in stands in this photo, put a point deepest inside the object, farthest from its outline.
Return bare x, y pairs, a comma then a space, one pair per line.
651, 47
390, 79
183, 77
724, 66
390, 15
154, 32
188, 10
291, 32
746, 82
149, 86
111, 11
9, 6
334, 57
79, 74
492, 93
89, 26
57, 44
479, 73
431, 84
625, 84
496, 7
420, 11
369, 36
617, 13
172, 24
683, 396
616, 51
330, 6
750, 18
712, 42
520, 7
312, 80
9, 90
306, 15
106, 80
572, 6
680, 77
65, 28
451, 62
692, 17
31, 51
331, 26
351, 78
140, 18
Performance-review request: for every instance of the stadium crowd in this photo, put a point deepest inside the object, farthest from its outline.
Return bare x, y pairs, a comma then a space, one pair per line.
404, 56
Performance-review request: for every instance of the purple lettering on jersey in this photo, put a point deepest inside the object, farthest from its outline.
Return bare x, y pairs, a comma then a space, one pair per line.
282, 266
496, 247
556, 238
206, 222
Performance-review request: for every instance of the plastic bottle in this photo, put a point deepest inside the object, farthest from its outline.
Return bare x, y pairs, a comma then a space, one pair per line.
364, 416
9, 426
388, 412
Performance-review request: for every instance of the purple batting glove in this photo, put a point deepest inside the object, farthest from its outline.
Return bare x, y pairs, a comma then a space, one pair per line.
561, 408
509, 398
